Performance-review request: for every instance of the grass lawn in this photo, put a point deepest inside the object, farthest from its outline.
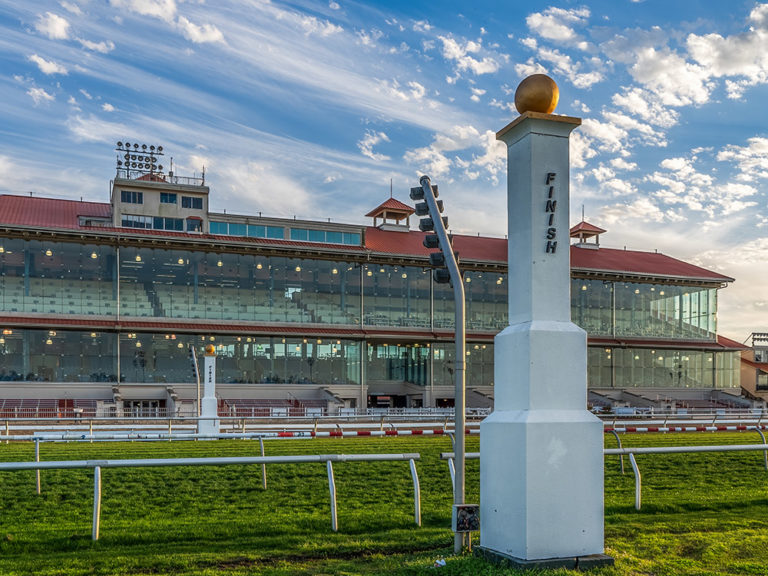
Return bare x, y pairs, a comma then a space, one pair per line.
702, 514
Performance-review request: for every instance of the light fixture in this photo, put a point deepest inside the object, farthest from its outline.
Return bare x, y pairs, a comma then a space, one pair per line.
298, 268
404, 275
94, 255
180, 261
583, 286
138, 258
661, 293
2, 340
49, 341
138, 344
498, 281
219, 264
180, 345
93, 334
7, 331
381, 270
468, 279
335, 271
319, 341
369, 273
52, 333
2, 249
48, 252
258, 266
167, 336
637, 290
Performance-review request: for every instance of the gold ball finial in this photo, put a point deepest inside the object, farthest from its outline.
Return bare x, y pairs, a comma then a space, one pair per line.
210, 350
537, 93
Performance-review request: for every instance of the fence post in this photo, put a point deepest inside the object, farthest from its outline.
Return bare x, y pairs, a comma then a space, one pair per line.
7, 432
416, 493
170, 429
90, 430
263, 466
37, 459
621, 456
332, 488
765, 453
452, 472
638, 481
96, 502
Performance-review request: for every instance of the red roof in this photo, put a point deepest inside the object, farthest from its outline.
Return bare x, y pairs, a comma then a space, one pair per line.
411, 244
390, 205
48, 212
585, 227
54, 213
651, 264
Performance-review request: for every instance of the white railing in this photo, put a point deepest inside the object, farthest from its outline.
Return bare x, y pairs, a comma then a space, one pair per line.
97, 465
449, 456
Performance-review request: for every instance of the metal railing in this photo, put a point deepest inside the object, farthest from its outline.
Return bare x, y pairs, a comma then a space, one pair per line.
328, 459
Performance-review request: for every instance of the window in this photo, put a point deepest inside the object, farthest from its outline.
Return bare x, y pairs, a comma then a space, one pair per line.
168, 224
317, 235
191, 202
167, 198
129, 197
219, 227
131, 221
236, 229
299, 234
255, 231
275, 232
194, 225
334, 237
352, 238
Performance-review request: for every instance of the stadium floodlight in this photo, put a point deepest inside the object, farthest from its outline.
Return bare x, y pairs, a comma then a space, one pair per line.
137, 159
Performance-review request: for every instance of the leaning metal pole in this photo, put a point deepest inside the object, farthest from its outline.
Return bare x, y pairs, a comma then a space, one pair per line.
460, 364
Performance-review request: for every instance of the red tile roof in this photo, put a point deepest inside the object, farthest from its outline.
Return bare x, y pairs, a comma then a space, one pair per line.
587, 228
391, 205
652, 264
48, 212
411, 244
55, 213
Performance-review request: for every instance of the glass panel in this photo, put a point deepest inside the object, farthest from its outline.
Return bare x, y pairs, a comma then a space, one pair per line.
236, 229
275, 232
396, 295
299, 234
219, 227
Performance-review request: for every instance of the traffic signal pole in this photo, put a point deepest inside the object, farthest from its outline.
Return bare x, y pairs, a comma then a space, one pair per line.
461, 355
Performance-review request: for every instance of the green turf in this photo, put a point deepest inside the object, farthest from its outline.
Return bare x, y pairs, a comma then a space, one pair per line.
702, 514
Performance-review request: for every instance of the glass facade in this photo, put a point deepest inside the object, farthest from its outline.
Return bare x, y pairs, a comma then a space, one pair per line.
142, 283
644, 310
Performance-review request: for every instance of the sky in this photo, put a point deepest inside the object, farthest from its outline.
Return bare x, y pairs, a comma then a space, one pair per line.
316, 109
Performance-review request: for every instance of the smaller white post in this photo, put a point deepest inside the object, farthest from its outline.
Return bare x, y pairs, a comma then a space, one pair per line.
209, 422
96, 502
37, 459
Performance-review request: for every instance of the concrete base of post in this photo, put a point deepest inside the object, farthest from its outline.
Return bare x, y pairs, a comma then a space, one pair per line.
542, 491
209, 422
570, 563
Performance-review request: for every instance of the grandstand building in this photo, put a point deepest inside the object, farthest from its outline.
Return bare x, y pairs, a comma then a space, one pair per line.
101, 302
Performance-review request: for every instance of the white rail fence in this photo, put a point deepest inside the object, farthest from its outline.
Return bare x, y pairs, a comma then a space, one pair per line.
328, 459
449, 456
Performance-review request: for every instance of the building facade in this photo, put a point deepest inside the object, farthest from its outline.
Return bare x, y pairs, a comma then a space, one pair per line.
100, 304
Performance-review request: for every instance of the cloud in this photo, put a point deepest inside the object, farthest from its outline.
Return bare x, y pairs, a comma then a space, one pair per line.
107, 107
104, 47
312, 25
40, 96
73, 8
47, 66
370, 140
207, 33
556, 24
53, 26
676, 81
751, 160
93, 129
334, 5
647, 106
460, 54
163, 9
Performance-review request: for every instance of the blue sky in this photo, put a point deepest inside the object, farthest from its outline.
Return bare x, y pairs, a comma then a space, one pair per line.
312, 108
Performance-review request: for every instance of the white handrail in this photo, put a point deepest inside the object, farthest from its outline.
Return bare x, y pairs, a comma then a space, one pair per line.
97, 465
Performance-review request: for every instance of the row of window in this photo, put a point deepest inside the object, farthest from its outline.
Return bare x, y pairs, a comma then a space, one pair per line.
186, 201
160, 223
250, 230
134, 197
77, 356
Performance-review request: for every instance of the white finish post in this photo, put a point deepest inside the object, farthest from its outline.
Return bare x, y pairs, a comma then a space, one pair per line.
332, 489
209, 423
416, 493
541, 472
